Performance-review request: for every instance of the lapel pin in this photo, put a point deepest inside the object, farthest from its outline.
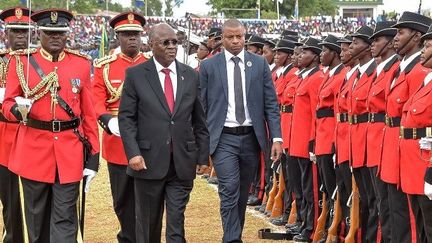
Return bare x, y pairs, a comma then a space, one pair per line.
249, 63
182, 78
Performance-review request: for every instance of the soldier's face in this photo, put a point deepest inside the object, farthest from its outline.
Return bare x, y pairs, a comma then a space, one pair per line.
18, 38
406, 39
53, 41
326, 56
202, 52
426, 54
295, 56
130, 42
379, 45
280, 58
306, 58
359, 48
164, 46
233, 39
268, 54
253, 49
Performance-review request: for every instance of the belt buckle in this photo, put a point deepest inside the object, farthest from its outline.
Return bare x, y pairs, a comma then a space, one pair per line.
283, 108
414, 133
350, 119
338, 117
401, 132
56, 126
371, 117
428, 131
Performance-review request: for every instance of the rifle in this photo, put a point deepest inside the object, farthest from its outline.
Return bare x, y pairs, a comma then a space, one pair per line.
272, 195
293, 213
354, 213
278, 200
332, 235
320, 229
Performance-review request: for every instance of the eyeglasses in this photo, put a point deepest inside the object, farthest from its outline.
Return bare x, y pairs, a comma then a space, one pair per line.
168, 42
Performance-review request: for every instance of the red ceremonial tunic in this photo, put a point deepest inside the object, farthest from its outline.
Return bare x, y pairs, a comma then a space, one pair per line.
397, 93
39, 154
417, 113
115, 67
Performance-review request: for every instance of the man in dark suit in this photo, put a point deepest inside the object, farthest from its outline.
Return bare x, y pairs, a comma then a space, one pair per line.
163, 128
241, 106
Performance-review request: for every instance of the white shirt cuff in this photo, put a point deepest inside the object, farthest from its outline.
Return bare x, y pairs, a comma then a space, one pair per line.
277, 140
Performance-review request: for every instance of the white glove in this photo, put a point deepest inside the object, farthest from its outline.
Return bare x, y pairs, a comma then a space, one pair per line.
312, 157
90, 175
426, 143
428, 190
21, 101
2, 94
113, 126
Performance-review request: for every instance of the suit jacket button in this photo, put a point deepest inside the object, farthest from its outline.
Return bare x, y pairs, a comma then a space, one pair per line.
168, 142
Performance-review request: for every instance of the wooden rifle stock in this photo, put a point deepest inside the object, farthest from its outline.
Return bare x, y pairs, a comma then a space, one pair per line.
278, 200
332, 235
354, 213
293, 213
272, 195
320, 229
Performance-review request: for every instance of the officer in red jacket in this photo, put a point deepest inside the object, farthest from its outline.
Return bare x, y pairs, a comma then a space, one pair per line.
407, 79
108, 84
358, 117
325, 114
51, 95
303, 133
17, 26
382, 47
415, 162
341, 139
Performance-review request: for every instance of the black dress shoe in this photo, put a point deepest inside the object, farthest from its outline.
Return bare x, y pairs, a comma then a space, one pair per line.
301, 238
294, 230
253, 201
281, 220
294, 225
263, 208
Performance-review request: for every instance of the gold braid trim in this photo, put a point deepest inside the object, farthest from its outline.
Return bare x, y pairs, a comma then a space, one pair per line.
78, 53
3, 72
114, 92
50, 82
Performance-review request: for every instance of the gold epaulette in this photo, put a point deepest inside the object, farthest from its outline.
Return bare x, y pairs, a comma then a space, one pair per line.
23, 51
104, 60
4, 51
148, 54
77, 53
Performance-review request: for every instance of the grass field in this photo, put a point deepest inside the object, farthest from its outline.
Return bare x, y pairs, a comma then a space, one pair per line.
202, 215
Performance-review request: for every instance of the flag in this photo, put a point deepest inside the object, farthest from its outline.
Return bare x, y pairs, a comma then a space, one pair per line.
139, 3
296, 10
178, 2
104, 42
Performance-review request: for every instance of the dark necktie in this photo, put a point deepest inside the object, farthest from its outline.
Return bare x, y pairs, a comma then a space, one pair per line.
168, 87
238, 92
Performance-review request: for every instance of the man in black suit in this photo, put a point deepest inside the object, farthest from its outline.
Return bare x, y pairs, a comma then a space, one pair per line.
241, 106
163, 128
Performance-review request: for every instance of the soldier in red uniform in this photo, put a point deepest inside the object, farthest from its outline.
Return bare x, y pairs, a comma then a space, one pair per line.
325, 115
17, 29
382, 47
303, 133
342, 169
56, 91
407, 79
415, 162
214, 41
255, 44
358, 118
108, 84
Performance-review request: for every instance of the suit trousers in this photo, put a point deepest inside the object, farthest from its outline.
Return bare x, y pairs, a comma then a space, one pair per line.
309, 184
51, 213
327, 175
235, 160
344, 182
368, 205
150, 198
381, 192
422, 209
294, 182
10, 199
400, 220
122, 191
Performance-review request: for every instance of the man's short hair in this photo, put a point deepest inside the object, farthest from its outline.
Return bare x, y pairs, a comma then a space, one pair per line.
231, 23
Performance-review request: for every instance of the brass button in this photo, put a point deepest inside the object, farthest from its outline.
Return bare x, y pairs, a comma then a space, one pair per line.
414, 110
56, 138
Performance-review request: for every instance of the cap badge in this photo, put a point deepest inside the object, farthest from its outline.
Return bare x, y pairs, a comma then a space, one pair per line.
131, 18
18, 13
54, 17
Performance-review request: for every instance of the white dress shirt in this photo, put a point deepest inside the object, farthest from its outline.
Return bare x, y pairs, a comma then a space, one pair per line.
351, 71
231, 120
333, 70
173, 75
364, 67
380, 66
427, 79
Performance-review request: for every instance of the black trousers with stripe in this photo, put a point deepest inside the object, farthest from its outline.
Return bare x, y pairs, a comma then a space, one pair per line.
122, 191
422, 209
50, 211
400, 220
10, 199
